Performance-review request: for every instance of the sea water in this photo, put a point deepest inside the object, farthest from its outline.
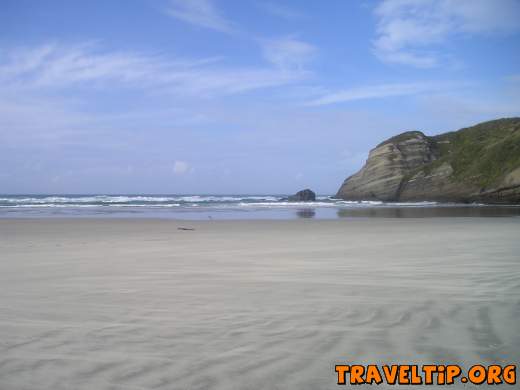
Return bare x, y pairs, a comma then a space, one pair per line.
209, 207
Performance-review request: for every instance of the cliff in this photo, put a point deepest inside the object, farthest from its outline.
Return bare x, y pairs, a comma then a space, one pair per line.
475, 164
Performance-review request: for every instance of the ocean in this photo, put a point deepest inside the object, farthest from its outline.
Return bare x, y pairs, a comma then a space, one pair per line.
202, 207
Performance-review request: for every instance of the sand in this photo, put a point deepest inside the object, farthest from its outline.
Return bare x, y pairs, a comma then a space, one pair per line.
139, 304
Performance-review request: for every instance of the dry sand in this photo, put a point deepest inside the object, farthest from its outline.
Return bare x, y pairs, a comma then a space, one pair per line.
139, 304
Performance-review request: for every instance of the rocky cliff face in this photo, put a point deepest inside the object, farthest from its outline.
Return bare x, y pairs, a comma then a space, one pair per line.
387, 166
481, 163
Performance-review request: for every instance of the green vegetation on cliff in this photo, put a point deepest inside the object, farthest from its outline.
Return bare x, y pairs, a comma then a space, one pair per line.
475, 164
482, 154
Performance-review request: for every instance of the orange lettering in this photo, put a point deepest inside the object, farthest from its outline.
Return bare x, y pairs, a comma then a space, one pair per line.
428, 372
510, 374
356, 375
441, 375
416, 379
390, 374
452, 372
373, 375
403, 375
341, 370
493, 376
477, 374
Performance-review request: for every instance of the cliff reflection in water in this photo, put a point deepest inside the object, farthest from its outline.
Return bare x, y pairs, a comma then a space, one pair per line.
429, 212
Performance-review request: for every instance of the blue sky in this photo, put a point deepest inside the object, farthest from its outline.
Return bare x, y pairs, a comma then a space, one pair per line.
222, 96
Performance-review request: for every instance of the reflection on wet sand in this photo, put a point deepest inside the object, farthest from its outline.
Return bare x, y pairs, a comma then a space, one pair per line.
306, 213
429, 212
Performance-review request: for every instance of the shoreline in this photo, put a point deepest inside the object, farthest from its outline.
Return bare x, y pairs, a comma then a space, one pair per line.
264, 213
232, 207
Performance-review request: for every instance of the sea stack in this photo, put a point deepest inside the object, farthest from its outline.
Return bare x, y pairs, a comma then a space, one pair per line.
474, 164
305, 195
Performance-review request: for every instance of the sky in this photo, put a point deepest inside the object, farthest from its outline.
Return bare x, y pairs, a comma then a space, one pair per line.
238, 96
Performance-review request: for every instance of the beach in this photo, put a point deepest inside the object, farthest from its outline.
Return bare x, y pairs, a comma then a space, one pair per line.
273, 304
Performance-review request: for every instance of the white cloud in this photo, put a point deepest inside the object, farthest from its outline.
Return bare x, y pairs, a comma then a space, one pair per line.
288, 52
181, 167
202, 13
423, 60
409, 31
379, 91
55, 66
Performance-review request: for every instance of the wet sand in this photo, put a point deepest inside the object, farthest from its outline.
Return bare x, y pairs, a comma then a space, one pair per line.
139, 304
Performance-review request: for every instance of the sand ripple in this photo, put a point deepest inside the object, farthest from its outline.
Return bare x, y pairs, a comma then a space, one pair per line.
264, 305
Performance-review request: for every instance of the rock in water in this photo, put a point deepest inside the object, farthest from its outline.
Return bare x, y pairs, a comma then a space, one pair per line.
305, 195
475, 164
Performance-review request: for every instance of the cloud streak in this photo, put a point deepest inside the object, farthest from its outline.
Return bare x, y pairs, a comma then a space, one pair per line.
288, 52
379, 92
409, 31
201, 13
53, 66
